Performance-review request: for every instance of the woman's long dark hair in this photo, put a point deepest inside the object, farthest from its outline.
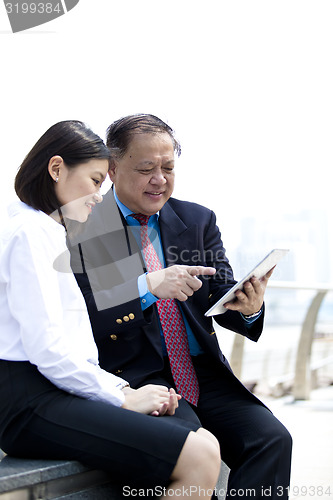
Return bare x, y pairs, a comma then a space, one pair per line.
74, 142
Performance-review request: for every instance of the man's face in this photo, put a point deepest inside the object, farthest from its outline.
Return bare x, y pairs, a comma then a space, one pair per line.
144, 176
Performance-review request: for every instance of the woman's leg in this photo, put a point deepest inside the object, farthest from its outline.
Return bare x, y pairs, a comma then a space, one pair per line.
197, 468
41, 421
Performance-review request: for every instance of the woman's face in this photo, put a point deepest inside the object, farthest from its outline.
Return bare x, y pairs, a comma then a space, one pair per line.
78, 188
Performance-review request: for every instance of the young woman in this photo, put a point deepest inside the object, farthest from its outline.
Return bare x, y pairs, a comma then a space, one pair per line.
55, 400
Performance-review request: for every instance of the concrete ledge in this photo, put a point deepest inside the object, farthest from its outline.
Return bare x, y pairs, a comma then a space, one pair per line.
24, 479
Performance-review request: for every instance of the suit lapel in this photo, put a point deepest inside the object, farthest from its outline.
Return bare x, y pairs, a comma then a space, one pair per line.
177, 237
106, 237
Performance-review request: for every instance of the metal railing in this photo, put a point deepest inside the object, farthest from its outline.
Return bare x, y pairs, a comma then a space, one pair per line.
303, 373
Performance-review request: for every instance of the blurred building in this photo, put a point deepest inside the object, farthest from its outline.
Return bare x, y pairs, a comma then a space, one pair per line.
309, 236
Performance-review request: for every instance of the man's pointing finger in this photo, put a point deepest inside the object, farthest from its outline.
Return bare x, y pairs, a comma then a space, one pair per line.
201, 270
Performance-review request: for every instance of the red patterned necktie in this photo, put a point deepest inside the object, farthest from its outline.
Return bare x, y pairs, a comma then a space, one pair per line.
172, 324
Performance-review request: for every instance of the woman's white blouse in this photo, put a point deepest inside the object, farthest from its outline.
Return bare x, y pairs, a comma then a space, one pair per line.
43, 316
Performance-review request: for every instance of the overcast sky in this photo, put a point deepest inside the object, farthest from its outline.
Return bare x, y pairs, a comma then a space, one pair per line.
246, 84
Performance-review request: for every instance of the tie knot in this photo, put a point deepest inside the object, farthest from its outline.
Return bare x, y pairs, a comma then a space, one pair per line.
143, 219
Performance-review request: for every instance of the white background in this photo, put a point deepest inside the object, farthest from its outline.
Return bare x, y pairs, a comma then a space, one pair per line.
246, 84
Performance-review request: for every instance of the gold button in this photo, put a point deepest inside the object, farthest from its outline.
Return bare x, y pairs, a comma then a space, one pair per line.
212, 333
113, 337
126, 318
131, 316
119, 321
119, 371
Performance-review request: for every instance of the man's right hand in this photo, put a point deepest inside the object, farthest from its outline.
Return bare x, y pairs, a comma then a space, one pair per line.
177, 282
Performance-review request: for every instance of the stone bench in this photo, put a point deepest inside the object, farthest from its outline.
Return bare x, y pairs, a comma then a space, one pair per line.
23, 479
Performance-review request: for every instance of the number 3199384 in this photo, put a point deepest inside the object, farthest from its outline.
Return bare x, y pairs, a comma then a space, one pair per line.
33, 8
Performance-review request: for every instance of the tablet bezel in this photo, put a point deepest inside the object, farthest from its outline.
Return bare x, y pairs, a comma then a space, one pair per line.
262, 268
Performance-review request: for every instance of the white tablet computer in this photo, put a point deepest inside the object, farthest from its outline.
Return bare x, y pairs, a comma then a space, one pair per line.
259, 271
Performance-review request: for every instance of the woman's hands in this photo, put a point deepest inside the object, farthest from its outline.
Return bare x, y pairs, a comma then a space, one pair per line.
151, 399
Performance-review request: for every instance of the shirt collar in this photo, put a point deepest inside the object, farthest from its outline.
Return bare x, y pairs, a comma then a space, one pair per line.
125, 210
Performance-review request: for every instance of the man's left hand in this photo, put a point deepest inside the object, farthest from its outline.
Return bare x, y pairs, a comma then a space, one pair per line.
250, 300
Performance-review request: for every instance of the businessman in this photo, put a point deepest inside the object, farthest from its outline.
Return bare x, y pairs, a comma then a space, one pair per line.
149, 267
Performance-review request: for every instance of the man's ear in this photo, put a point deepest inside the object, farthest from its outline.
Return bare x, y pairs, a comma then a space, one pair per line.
54, 167
112, 170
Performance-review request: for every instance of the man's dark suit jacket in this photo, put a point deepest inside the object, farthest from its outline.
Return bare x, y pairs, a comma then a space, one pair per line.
107, 263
